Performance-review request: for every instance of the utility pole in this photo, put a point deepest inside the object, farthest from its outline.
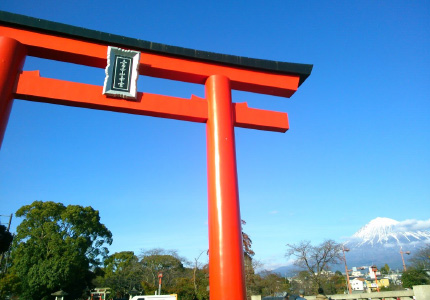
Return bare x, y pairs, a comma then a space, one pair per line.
403, 260
160, 276
346, 269
374, 269
3, 254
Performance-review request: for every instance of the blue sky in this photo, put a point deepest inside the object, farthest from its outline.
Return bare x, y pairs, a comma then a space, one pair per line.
358, 145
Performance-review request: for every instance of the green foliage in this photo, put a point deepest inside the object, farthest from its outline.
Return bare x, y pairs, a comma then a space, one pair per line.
168, 263
415, 277
122, 273
55, 247
331, 283
335, 284
202, 283
200, 278
268, 283
184, 289
385, 269
9, 282
391, 287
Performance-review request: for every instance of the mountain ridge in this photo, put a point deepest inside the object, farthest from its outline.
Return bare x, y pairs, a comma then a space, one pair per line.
385, 231
379, 242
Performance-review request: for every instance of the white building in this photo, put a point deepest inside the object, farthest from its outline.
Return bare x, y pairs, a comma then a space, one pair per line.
356, 274
358, 284
372, 274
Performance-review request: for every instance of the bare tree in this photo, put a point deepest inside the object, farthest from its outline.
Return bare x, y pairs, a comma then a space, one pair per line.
421, 258
195, 269
315, 259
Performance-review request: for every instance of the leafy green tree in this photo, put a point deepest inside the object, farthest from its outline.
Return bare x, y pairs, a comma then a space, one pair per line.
385, 269
184, 288
9, 282
270, 283
336, 284
415, 277
168, 262
202, 292
122, 273
55, 247
200, 278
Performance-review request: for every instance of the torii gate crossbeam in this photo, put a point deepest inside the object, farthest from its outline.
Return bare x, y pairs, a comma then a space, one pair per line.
21, 36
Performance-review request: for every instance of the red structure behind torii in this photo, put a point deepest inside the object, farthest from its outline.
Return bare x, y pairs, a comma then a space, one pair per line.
21, 36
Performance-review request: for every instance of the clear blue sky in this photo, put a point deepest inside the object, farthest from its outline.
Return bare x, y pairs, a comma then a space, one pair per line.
358, 145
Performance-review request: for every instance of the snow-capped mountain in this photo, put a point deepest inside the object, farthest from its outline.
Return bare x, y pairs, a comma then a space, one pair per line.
381, 240
386, 231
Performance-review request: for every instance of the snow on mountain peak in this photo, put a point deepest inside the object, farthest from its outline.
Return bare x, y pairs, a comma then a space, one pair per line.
386, 230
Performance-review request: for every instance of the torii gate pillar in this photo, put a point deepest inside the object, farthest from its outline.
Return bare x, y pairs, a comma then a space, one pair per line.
226, 277
12, 57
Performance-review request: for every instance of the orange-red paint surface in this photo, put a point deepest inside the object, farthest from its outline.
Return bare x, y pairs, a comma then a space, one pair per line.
155, 65
12, 56
32, 87
226, 268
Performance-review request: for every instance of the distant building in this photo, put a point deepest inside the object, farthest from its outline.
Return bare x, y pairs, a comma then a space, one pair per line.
356, 274
358, 284
395, 278
372, 274
99, 293
383, 282
326, 273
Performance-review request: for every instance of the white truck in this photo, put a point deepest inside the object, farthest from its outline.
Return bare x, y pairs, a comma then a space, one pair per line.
156, 297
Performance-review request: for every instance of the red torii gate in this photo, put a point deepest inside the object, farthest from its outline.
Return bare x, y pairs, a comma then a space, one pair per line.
21, 36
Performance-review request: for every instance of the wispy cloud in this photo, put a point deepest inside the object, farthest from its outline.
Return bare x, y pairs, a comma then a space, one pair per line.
412, 225
273, 262
273, 212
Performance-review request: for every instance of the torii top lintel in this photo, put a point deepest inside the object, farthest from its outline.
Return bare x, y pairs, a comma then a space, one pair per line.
57, 41
185, 64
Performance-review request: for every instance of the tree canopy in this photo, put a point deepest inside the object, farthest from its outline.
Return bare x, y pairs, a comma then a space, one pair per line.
122, 273
55, 247
385, 269
414, 276
420, 264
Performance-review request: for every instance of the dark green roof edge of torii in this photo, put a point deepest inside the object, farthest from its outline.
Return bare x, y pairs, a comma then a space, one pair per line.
59, 29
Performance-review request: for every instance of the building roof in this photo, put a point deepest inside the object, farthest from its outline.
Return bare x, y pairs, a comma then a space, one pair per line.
360, 279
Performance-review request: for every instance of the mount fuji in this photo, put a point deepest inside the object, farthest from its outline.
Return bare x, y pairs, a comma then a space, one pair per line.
385, 231
379, 242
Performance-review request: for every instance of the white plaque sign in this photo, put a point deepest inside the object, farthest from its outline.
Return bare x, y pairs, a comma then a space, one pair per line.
122, 71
